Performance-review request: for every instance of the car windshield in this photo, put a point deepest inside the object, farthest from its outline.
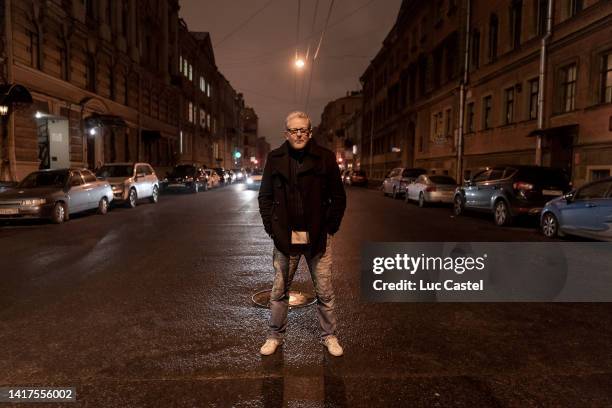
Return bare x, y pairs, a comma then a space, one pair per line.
115, 171
544, 176
442, 180
45, 179
181, 171
257, 173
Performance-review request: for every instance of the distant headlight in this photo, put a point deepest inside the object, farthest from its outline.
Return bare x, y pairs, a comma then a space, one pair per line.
36, 201
118, 187
189, 179
249, 180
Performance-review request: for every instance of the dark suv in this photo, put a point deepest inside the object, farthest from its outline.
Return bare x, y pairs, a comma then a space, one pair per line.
509, 191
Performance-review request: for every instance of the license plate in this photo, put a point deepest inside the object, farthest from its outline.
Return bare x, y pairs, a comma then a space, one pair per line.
9, 211
552, 192
176, 185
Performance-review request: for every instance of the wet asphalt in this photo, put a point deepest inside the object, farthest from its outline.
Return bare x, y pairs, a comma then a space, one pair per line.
151, 307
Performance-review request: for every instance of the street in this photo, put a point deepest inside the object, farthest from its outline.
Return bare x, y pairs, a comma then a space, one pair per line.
151, 307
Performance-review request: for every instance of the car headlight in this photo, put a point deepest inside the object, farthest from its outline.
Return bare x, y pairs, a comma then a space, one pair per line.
249, 180
117, 187
36, 201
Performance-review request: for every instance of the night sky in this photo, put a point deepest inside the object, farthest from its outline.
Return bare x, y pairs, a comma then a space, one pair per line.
257, 58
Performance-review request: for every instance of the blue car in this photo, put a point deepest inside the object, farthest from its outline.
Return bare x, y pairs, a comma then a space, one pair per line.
585, 212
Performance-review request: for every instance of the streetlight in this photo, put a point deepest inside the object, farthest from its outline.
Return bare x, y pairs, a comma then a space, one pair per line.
4, 110
92, 131
299, 63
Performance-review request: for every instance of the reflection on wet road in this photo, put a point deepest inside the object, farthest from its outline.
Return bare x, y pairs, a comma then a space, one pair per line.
152, 307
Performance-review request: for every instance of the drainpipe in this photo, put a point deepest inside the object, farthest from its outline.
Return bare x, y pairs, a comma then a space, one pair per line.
542, 82
462, 92
372, 118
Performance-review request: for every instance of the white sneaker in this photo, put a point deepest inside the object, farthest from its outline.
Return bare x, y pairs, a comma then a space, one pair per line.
270, 346
334, 348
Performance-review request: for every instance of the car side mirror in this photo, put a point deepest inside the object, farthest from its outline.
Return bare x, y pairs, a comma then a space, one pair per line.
569, 197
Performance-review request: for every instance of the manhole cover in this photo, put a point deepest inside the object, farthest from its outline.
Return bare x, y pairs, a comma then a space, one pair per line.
296, 299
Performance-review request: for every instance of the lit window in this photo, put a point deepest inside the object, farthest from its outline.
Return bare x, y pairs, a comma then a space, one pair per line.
487, 107
190, 112
208, 90
190, 72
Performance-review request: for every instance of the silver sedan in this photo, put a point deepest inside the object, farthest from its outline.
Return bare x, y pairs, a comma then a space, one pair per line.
431, 189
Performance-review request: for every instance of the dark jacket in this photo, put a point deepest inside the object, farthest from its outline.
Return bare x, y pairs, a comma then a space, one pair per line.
322, 190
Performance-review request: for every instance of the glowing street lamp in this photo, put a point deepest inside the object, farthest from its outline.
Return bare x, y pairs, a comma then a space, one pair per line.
4, 110
299, 63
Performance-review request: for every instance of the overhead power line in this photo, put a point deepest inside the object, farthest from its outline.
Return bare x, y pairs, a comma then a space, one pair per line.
244, 23
316, 54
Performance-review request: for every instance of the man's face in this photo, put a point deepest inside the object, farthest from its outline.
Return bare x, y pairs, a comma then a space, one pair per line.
298, 132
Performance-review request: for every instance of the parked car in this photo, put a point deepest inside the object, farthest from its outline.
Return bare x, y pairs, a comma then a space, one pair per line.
213, 178
431, 189
131, 182
55, 194
253, 182
189, 177
585, 212
356, 178
223, 176
509, 191
397, 180
344, 175
7, 185
240, 175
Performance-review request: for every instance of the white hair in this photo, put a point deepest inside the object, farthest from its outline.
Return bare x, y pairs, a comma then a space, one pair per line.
298, 114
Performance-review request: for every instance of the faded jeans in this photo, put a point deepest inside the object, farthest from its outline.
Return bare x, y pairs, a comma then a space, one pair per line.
320, 267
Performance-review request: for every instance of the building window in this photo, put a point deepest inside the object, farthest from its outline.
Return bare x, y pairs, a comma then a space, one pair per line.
516, 17
487, 107
475, 60
509, 106
447, 126
181, 142
493, 36
606, 78
64, 62
111, 82
542, 16
202, 84
91, 73
90, 9
125, 14
208, 90
190, 112
126, 89
35, 49
190, 72
470, 117
109, 13
568, 88
598, 174
534, 91
181, 63
573, 7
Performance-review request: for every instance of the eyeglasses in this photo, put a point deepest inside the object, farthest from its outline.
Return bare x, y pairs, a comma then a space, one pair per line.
295, 131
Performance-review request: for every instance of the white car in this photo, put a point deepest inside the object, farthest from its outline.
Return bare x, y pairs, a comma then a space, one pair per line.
213, 178
253, 181
131, 182
431, 189
397, 180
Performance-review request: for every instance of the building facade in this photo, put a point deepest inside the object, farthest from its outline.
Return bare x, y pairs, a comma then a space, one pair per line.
482, 60
335, 131
109, 81
250, 123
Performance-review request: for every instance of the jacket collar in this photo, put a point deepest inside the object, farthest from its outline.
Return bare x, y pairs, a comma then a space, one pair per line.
281, 156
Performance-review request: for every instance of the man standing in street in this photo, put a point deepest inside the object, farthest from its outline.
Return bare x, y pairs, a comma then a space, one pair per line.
301, 201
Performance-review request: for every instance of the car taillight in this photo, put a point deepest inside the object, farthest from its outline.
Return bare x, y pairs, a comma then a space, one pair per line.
521, 185
430, 189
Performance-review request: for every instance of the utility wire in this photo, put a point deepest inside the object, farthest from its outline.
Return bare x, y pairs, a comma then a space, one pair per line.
314, 58
297, 44
312, 30
244, 23
332, 25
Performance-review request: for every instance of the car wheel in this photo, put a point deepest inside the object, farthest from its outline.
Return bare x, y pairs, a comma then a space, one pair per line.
155, 195
550, 225
132, 200
60, 213
422, 202
458, 206
501, 214
103, 206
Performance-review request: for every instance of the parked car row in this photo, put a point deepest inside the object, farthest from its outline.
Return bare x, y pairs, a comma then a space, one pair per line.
57, 194
354, 178
508, 192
